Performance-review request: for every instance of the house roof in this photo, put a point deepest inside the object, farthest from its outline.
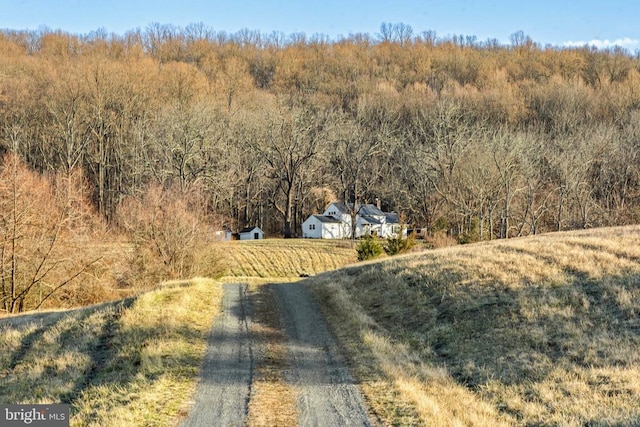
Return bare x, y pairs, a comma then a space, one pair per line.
392, 218
370, 210
327, 219
248, 229
364, 210
341, 207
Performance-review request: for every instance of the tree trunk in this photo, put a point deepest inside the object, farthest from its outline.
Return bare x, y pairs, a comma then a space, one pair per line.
560, 206
288, 209
490, 214
506, 210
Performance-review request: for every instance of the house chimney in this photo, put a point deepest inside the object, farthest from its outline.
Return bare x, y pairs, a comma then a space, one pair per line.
378, 203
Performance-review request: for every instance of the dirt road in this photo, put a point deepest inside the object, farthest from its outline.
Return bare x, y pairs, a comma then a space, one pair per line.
326, 392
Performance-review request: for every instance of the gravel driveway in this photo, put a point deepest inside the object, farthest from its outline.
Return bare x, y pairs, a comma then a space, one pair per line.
326, 392
227, 372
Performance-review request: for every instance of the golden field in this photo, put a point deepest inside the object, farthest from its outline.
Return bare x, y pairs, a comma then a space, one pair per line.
285, 258
534, 331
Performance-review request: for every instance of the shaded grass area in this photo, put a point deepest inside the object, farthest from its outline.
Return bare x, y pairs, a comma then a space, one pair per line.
536, 331
131, 362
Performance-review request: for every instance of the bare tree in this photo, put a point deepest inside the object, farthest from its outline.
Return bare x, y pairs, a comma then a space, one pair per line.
188, 143
168, 227
293, 139
352, 163
505, 149
399, 33
37, 253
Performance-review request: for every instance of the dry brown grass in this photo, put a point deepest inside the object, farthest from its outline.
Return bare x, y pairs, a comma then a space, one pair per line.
285, 258
136, 361
132, 362
439, 240
533, 331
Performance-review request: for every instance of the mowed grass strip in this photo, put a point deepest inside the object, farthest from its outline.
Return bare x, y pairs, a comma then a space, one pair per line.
273, 400
534, 331
285, 258
44, 359
134, 362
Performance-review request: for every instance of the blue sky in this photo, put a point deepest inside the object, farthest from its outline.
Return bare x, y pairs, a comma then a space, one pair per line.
558, 22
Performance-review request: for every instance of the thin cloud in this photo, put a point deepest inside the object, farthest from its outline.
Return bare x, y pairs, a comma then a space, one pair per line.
625, 42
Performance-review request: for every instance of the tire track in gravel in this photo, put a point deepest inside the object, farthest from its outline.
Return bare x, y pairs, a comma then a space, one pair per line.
222, 398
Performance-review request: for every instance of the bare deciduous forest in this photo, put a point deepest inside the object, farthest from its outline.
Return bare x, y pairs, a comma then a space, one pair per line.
160, 130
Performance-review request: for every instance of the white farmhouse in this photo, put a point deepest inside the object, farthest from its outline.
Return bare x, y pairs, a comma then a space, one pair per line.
323, 227
335, 223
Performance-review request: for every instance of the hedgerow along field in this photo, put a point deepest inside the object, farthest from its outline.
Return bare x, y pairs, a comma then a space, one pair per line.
534, 331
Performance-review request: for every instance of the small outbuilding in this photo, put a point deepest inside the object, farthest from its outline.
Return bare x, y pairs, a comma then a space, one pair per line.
222, 235
251, 233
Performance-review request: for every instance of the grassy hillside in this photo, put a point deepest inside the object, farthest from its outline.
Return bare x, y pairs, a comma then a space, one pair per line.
285, 258
534, 331
130, 362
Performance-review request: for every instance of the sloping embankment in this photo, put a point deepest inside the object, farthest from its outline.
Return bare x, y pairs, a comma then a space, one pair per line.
534, 331
129, 362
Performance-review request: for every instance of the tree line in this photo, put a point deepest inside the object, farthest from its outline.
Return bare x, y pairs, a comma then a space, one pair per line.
479, 139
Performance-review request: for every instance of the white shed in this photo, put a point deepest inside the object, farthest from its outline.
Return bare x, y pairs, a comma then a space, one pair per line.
251, 233
323, 227
223, 234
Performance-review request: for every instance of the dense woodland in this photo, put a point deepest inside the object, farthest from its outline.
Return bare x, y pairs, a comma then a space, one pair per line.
481, 139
